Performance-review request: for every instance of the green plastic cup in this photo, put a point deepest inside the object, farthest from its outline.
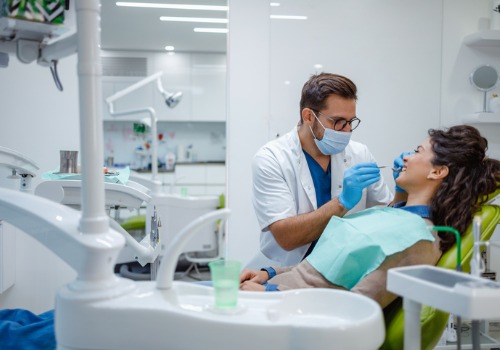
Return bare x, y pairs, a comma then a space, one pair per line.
226, 282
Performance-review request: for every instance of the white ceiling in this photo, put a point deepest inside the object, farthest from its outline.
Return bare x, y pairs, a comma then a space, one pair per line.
129, 28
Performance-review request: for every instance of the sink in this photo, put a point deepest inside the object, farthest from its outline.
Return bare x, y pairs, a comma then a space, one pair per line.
182, 318
451, 291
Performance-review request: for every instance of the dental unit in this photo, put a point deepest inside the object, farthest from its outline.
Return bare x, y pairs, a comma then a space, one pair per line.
22, 167
130, 195
466, 296
98, 310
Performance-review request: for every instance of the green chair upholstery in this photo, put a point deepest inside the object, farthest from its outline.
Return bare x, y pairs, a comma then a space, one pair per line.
136, 222
434, 321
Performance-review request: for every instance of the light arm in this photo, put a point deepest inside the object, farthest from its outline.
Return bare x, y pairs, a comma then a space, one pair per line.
171, 101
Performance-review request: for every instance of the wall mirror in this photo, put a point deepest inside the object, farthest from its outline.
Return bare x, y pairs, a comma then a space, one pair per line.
484, 78
188, 43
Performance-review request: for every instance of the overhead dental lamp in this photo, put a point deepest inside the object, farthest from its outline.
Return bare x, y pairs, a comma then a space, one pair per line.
171, 100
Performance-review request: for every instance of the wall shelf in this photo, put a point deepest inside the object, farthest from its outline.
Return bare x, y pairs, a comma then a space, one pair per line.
483, 38
481, 118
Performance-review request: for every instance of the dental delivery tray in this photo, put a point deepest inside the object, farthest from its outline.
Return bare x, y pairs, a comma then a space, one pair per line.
455, 292
68, 192
16, 161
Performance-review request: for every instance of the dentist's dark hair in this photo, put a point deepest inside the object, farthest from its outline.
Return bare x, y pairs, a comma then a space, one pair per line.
471, 177
317, 89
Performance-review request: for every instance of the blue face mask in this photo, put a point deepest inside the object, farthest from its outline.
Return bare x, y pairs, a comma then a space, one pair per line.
333, 142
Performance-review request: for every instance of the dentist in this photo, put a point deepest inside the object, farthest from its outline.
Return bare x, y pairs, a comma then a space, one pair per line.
314, 172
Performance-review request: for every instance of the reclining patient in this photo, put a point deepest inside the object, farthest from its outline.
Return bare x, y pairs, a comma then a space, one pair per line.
446, 180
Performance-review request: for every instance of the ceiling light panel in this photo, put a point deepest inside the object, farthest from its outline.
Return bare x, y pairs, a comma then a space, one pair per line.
193, 19
172, 6
211, 30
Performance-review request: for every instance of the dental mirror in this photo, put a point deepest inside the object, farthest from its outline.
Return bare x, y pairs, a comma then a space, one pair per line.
484, 78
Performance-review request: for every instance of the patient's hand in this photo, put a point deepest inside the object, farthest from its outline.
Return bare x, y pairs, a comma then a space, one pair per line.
254, 276
252, 286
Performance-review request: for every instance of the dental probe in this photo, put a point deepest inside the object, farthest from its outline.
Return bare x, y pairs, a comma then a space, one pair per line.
393, 169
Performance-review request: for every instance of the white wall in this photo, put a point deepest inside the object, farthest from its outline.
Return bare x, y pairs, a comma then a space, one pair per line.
401, 54
37, 120
458, 96
248, 115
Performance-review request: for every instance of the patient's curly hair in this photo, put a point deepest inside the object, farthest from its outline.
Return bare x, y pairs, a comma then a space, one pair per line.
472, 176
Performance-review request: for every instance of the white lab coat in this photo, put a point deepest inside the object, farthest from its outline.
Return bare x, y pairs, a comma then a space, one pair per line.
283, 188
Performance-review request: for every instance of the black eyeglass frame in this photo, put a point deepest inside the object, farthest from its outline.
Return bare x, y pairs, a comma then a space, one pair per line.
344, 121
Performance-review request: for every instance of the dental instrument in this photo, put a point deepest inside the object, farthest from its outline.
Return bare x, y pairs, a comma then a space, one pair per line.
393, 169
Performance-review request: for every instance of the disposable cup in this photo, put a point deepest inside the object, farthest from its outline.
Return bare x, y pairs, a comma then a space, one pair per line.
68, 162
226, 282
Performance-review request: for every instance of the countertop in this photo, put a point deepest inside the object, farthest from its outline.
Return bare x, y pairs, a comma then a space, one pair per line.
163, 170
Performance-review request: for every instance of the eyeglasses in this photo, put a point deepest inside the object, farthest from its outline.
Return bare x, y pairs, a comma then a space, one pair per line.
340, 123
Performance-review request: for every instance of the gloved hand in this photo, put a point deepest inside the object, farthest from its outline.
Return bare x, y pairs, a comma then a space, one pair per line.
398, 164
356, 179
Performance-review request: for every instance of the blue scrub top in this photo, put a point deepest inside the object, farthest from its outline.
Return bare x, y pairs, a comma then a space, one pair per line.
322, 185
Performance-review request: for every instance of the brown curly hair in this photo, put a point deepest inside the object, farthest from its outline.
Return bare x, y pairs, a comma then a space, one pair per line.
472, 176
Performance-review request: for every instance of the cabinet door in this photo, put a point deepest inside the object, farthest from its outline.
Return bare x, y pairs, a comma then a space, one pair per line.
216, 174
190, 174
209, 87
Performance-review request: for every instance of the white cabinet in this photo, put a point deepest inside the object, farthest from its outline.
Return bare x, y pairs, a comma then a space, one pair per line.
200, 77
200, 179
193, 179
208, 87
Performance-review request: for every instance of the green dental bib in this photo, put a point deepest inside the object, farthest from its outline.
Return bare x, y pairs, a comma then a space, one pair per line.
352, 247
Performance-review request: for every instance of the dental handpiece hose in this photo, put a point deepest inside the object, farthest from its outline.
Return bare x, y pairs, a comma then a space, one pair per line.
458, 268
476, 270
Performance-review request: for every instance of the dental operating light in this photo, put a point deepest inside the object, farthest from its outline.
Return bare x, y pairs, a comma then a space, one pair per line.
171, 100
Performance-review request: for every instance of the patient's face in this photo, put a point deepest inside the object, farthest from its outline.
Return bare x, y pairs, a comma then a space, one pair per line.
417, 167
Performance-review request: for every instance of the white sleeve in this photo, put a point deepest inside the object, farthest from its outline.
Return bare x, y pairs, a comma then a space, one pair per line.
272, 197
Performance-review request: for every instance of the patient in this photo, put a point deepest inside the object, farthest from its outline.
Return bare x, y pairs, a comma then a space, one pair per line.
446, 180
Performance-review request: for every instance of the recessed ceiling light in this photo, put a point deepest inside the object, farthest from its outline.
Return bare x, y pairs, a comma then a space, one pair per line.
194, 19
172, 6
287, 17
274, 4
169, 48
210, 30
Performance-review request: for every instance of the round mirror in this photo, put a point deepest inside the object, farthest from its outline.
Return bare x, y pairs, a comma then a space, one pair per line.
484, 78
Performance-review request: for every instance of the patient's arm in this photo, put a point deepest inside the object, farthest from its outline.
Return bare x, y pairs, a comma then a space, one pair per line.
374, 284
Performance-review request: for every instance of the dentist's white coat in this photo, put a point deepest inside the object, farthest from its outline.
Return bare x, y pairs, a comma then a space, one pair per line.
283, 188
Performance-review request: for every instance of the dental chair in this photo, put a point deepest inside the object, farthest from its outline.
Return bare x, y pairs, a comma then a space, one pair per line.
434, 321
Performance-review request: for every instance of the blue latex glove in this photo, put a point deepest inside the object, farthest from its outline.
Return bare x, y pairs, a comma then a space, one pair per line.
356, 179
398, 163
